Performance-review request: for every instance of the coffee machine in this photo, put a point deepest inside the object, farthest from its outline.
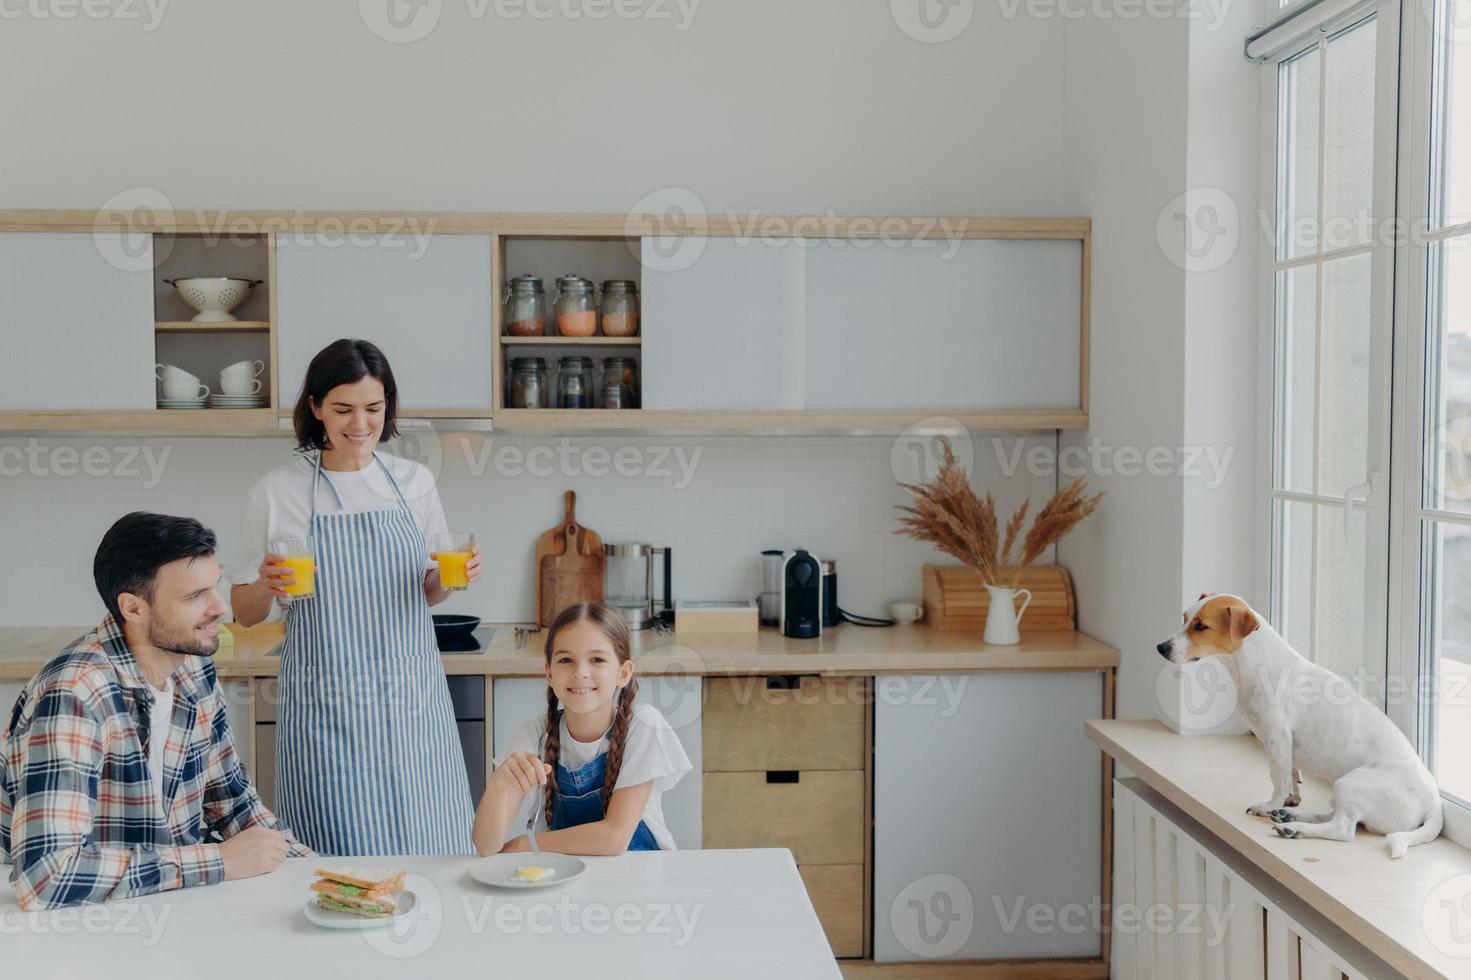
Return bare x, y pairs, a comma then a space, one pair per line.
801, 594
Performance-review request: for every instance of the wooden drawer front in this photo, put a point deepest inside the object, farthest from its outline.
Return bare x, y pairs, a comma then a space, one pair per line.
267, 697
819, 817
757, 723
836, 891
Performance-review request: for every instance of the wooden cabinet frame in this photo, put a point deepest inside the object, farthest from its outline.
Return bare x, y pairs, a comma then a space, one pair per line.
504, 226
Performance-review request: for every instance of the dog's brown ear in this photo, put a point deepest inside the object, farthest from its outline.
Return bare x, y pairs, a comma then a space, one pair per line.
1243, 621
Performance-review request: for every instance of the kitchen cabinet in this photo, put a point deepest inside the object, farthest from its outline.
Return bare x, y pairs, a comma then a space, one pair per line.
237, 697
76, 321
516, 700
986, 806
9, 692
942, 326
425, 301
725, 330
787, 766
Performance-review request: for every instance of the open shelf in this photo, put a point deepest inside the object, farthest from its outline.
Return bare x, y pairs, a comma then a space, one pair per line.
189, 326
159, 421
572, 341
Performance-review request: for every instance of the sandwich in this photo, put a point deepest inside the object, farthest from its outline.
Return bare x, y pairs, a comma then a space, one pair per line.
369, 892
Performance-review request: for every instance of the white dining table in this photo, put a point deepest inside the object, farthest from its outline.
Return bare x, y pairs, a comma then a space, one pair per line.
676, 914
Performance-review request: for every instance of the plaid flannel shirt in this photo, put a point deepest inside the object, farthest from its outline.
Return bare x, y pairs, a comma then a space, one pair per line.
79, 817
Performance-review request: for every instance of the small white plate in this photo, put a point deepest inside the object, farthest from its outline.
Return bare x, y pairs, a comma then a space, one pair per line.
497, 870
332, 919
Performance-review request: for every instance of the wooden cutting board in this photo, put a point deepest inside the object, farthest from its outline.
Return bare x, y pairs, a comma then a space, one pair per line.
570, 566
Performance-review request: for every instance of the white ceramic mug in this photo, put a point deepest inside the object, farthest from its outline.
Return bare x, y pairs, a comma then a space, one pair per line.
178, 383
234, 384
243, 369
906, 612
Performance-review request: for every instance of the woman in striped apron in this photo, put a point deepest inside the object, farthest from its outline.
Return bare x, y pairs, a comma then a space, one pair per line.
368, 758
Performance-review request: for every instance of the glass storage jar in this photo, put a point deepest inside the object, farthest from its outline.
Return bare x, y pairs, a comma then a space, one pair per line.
620, 382
525, 307
576, 307
620, 308
528, 385
574, 382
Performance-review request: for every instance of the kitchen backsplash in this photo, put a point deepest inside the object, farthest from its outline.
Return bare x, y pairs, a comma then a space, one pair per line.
718, 501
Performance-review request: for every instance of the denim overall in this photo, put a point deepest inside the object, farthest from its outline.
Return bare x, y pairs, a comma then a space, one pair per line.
579, 800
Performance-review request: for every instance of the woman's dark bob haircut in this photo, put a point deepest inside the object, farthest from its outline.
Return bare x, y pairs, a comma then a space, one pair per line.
342, 362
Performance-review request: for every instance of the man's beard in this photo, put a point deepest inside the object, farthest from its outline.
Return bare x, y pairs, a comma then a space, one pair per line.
182, 640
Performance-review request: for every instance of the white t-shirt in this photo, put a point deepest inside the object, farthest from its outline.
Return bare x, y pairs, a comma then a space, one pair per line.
280, 506
159, 720
653, 752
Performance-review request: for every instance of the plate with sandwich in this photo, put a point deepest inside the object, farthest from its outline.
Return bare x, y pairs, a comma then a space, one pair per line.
525, 869
347, 897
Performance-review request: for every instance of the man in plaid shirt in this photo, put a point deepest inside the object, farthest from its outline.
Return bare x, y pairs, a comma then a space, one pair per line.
117, 771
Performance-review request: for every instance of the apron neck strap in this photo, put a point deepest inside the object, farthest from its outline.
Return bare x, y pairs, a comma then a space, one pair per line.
317, 477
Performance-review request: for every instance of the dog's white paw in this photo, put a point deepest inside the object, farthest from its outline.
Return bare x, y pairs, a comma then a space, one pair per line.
1287, 830
1281, 816
1264, 809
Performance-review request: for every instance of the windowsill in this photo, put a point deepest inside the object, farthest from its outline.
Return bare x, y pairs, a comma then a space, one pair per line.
1381, 902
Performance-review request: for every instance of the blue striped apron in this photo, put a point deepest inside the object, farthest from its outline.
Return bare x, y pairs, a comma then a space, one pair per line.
368, 757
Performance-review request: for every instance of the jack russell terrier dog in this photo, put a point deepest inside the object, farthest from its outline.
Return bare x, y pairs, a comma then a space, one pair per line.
1311, 720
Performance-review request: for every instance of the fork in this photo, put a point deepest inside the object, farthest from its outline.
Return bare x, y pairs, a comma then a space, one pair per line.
540, 801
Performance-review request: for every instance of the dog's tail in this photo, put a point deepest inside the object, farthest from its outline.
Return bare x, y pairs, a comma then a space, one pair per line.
1426, 832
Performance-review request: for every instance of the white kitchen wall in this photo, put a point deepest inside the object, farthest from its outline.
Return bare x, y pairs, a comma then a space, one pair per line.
1028, 108
718, 502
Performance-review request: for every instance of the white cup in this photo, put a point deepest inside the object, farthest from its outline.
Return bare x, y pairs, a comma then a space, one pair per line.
178, 383
244, 370
906, 611
234, 384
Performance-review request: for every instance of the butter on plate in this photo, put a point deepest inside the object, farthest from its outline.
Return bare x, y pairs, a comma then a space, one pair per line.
532, 872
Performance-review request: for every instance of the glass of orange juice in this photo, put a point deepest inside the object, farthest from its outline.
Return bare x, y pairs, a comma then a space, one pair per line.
452, 551
297, 555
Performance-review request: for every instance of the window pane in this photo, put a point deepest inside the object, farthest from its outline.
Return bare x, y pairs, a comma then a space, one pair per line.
1298, 163
1297, 356
1340, 643
1343, 409
1293, 527
1448, 470
1450, 619
1348, 145
1455, 95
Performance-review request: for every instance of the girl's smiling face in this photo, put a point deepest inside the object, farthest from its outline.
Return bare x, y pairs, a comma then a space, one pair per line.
584, 670
352, 416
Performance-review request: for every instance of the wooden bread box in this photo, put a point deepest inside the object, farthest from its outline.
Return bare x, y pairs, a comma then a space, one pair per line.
956, 601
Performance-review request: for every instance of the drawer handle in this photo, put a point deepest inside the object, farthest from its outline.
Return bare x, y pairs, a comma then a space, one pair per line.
786, 682
783, 776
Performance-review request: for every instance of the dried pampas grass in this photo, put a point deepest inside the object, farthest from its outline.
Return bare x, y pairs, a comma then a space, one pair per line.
948, 514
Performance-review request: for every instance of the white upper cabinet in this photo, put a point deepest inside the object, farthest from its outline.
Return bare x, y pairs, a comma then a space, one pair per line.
76, 321
722, 325
847, 325
425, 301
960, 326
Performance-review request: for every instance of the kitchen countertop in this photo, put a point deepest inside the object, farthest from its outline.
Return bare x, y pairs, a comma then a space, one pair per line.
675, 914
847, 650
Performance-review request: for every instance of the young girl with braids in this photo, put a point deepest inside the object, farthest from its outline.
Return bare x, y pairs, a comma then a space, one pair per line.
597, 762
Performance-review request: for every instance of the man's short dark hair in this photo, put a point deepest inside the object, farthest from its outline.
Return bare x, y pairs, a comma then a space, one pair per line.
133, 550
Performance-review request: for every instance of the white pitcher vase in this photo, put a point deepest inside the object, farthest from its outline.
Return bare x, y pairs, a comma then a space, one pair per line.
1003, 618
